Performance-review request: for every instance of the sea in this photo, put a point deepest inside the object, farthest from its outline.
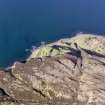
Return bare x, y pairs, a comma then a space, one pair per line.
27, 23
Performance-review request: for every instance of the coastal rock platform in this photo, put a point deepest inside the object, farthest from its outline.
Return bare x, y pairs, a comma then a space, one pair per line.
70, 71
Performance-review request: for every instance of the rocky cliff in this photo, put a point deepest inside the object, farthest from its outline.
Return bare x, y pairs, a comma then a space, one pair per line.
70, 71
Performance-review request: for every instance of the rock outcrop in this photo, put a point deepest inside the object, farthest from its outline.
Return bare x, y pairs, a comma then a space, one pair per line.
68, 72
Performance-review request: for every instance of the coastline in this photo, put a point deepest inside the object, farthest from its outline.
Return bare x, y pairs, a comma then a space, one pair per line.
88, 41
80, 38
69, 71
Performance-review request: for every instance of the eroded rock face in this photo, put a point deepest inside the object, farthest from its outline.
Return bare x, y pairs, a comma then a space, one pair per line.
73, 78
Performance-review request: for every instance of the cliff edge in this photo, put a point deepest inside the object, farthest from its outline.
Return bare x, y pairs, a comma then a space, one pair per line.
70, 71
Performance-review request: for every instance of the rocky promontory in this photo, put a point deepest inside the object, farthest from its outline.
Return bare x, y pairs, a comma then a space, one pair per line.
69, 71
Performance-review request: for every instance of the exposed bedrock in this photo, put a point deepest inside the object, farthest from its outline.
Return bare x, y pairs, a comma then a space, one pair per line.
66, 74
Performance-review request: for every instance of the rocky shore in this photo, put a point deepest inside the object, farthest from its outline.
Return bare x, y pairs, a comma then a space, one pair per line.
70, 71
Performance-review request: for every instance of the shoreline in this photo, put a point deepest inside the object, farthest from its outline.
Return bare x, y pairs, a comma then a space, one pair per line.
68, 69
60, 42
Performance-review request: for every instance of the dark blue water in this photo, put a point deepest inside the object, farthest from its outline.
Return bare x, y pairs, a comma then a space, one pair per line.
24, 23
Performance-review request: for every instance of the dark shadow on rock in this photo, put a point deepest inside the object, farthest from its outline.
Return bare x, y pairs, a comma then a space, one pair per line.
93, 53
